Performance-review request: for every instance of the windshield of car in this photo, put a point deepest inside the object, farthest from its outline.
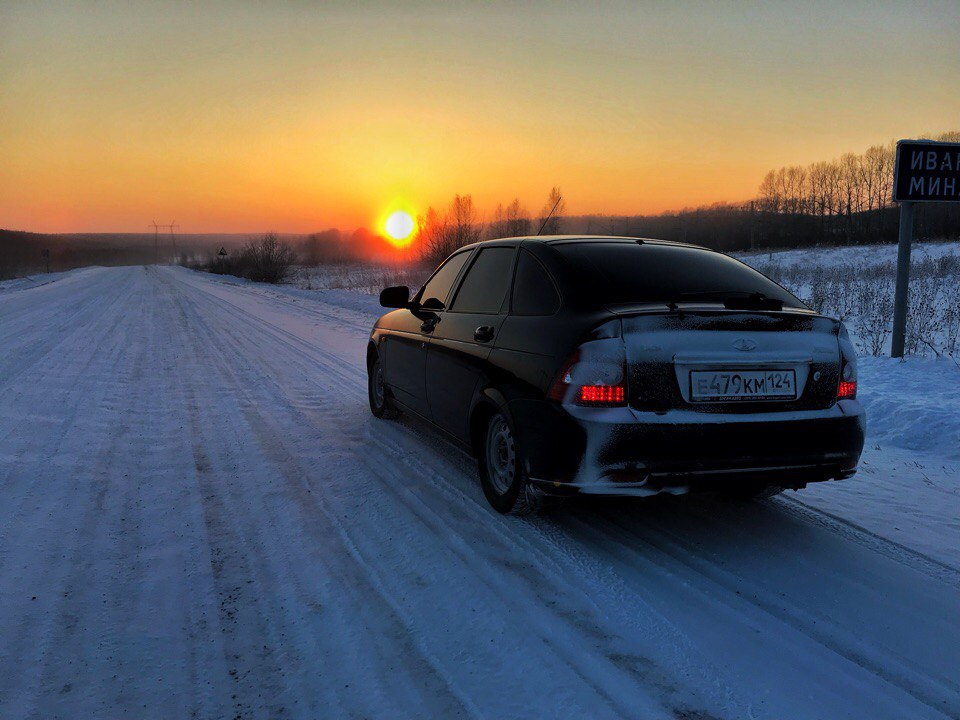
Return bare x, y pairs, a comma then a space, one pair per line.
626, 272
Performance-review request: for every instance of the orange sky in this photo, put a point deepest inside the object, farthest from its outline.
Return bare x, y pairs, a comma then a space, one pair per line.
242, 117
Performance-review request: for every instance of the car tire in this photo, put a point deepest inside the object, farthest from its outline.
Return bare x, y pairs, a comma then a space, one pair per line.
502, 476
380, 404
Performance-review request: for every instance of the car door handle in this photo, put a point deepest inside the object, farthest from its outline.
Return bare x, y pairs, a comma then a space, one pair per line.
484, 333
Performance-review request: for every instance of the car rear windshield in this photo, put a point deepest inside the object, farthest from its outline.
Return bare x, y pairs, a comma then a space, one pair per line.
627, 272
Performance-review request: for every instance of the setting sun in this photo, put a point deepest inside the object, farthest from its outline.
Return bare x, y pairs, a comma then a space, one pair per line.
398, 227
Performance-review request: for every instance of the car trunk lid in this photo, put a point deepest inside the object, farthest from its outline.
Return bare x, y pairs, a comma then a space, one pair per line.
755, 361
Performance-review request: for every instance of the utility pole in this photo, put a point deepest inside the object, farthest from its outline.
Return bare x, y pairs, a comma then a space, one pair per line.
173, 237
156, 242
156, 238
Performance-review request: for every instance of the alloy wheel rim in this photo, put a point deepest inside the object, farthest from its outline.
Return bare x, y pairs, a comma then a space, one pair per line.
501, 455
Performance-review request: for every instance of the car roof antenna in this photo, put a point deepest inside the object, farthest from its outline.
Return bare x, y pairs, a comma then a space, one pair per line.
544, 223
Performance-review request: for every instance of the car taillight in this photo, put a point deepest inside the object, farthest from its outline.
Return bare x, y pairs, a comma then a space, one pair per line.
590, 382
602, 395
847, 387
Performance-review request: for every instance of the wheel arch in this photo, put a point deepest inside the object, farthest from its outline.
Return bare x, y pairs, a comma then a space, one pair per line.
486, 403
372, 354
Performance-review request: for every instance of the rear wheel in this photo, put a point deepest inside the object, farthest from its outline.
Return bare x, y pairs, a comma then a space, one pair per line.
502, 476
377, 392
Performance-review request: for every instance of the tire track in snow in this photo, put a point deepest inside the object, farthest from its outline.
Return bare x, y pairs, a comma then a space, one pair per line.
915, 559
935, 692
577, 665
356, 574
61, 631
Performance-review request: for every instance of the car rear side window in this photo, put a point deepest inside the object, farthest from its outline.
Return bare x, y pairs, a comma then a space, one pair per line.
629, 272
533, 290
485, 286
438, 287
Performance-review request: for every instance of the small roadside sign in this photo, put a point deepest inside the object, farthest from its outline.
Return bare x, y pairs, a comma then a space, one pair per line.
222, 253
923, 171
926, 171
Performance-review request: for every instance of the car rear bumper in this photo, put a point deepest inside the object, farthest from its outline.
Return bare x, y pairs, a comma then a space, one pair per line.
624, 452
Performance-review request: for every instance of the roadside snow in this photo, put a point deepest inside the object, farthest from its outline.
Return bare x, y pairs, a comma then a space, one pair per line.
830, 256
36, 280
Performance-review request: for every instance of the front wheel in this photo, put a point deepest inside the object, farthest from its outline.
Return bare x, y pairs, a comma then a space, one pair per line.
502, 476
377, 392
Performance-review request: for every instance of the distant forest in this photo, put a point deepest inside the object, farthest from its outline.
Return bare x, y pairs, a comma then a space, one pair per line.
845, 201
22, 253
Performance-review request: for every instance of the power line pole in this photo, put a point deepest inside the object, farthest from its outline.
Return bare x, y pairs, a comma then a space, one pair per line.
156, 242
173, 238
156, 238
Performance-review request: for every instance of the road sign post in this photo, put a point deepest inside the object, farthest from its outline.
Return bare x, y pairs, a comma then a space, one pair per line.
924, 171
903, 280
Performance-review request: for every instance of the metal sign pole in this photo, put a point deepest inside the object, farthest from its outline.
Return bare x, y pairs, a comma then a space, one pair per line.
903, 280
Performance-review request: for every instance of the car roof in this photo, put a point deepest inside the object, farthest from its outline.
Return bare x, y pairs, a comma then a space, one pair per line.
570, 239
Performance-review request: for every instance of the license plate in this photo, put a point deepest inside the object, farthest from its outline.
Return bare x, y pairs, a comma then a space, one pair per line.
735, 385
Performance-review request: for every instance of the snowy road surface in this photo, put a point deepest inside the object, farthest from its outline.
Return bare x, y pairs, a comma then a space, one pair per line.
200, 518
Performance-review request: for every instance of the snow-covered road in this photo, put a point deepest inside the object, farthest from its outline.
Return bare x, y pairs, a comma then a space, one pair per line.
200, 518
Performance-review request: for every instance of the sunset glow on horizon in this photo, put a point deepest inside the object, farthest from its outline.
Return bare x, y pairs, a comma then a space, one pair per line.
242, 117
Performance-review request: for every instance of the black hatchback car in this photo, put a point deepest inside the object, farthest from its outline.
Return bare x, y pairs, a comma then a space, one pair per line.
619, 366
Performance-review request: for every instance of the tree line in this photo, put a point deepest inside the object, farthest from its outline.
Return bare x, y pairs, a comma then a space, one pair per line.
836, 202
848, 199
845, 201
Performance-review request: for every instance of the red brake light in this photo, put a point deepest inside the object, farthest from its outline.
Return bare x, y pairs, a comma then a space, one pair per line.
591, 382
601, 395
847, 389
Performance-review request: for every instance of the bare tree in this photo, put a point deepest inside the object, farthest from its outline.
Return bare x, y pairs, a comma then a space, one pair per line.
464, 222
497, 228
509, 221
433, 236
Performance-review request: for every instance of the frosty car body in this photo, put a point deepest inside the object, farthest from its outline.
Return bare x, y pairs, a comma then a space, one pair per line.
663, 441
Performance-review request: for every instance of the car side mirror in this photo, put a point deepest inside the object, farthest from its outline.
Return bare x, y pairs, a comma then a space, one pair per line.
432, 304
397, 296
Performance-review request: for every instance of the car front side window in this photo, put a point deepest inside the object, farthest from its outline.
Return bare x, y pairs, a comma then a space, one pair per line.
437, 289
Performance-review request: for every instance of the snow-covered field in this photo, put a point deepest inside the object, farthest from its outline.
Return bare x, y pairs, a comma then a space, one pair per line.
200, 518
856, 285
